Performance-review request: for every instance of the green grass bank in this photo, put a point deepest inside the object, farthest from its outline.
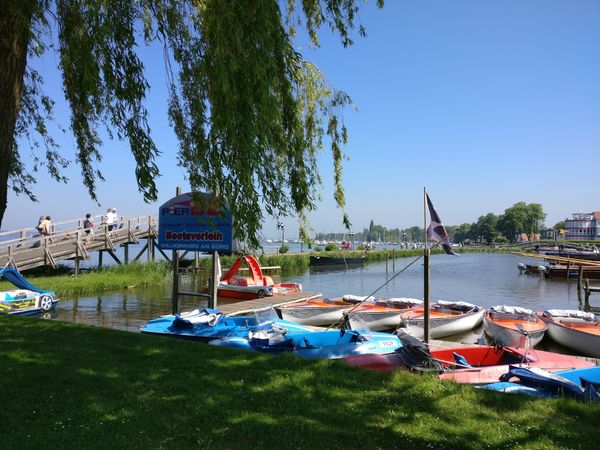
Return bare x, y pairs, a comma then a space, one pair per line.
72, 386
97, 280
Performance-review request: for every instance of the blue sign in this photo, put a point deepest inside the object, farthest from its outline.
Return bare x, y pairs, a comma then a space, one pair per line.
203, 228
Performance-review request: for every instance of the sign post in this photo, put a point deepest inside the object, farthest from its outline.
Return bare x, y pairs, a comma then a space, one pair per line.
204, 227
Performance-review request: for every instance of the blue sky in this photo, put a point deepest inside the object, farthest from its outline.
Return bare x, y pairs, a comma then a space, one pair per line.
484, 103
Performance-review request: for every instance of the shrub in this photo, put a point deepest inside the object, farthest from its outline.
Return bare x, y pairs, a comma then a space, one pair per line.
330, 247
283, 249
318, 249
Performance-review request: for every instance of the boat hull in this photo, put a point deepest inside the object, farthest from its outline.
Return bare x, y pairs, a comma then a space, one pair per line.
442, 326
313, 315
329, 344
379, 320
487, 362
585, 343
325, 261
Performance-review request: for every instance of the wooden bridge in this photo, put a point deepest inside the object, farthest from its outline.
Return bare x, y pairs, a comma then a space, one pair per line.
26, 249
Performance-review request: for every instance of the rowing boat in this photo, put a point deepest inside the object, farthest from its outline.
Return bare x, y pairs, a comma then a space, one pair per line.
513, 326
445, 319
577, 330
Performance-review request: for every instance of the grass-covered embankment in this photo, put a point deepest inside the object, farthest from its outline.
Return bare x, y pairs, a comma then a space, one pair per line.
73, 386
97, 280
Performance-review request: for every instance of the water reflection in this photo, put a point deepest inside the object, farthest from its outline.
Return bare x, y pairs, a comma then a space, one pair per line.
485, 279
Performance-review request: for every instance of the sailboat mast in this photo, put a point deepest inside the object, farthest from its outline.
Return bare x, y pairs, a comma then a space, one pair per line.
425, 272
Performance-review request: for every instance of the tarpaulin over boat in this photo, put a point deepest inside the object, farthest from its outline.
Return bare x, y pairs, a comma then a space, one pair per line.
13, 276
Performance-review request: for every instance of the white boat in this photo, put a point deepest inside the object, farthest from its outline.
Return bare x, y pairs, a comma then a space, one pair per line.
577, 330
315, 312
383, 314
513, 326
445, 319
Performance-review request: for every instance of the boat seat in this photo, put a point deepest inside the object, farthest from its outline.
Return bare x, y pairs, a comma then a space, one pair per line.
461, 360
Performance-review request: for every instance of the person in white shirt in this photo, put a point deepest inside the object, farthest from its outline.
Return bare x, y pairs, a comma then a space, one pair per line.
109, 219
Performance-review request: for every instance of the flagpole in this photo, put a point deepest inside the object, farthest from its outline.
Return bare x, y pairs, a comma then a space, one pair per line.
426, 272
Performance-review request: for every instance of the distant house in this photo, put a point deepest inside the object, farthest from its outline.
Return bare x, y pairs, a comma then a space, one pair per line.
583, 227
528, 237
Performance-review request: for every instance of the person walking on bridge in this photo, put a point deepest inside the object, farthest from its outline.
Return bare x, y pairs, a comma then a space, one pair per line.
45, 228
88, 224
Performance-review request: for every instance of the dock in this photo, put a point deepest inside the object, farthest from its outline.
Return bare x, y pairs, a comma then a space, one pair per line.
68, 240
249, 306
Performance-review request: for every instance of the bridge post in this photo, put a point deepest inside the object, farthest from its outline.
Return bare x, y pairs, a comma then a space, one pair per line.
100, 253
77, 244
148, 249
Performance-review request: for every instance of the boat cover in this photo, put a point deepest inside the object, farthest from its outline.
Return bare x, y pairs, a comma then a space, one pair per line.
462, 306
511, 310
571, 313
13, 276
208, 317
405, 301
357, 298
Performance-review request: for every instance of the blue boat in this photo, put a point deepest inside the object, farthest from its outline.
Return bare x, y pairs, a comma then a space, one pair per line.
582, 384
27, 299
207, 324
317, 344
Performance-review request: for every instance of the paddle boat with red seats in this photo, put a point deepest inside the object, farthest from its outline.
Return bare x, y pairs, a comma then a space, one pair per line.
255, 285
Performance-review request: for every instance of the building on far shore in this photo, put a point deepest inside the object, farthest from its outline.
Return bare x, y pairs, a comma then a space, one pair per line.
583, 227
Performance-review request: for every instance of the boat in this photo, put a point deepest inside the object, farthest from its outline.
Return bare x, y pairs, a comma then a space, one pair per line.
583, 384
590, 255
577, 330
256, 285
27, 299
513, 326
382, 314
562, 271
472, 364
206, 324
446, 318
328, 261
316, 312
327, 344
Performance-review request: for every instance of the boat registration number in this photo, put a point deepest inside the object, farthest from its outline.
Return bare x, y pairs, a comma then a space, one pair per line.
413, 323
389, 343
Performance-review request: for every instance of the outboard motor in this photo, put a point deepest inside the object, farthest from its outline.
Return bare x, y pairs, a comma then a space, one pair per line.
522, 267
542, 270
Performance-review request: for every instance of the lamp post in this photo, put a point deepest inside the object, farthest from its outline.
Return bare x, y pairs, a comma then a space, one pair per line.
280, 226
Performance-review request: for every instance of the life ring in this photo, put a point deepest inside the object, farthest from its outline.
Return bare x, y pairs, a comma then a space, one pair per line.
46, 302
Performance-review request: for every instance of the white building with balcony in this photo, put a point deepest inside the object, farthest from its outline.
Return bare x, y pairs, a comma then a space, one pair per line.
583, 227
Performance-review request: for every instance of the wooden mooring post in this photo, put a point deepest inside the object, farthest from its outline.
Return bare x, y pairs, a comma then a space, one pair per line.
579, 282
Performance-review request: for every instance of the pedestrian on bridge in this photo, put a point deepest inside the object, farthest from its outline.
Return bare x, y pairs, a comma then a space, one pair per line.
109, 219
88, 224
45, 228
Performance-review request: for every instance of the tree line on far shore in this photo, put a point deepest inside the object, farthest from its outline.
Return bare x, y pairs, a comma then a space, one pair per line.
520, 218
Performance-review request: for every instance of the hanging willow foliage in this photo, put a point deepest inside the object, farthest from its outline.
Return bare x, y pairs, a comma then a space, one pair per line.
250, 113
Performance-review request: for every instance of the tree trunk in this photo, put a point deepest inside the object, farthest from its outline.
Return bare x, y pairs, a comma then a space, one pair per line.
15, 24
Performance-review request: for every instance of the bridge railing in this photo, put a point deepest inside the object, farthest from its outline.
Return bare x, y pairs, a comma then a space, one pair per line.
28, 238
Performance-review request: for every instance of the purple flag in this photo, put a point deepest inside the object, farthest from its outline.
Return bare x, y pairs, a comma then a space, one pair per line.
436, 229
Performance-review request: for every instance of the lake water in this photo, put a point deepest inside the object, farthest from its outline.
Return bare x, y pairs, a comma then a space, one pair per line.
485, 279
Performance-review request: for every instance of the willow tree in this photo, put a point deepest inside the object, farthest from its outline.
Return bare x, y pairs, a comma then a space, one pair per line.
249, 111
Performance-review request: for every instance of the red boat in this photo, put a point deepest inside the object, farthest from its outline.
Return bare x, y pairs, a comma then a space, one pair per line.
256, 285
476, 364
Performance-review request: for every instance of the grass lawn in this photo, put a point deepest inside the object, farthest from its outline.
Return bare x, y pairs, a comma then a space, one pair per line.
97, 280
73, 386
